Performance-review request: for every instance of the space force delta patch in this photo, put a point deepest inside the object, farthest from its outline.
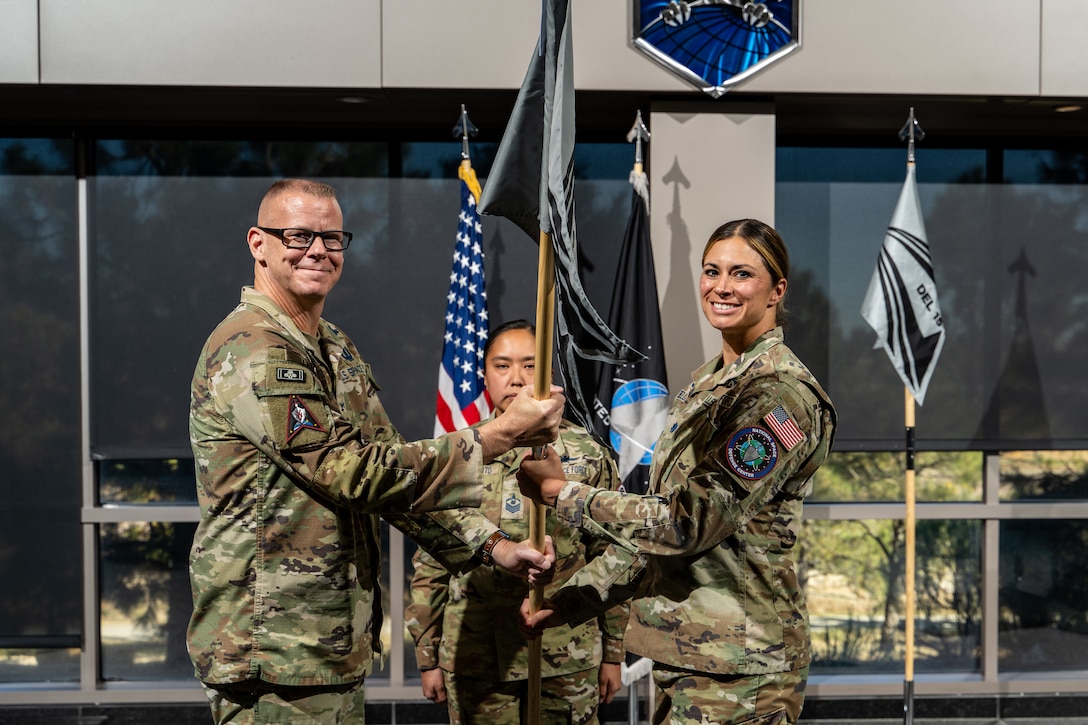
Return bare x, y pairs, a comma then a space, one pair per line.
752, 453
299, 417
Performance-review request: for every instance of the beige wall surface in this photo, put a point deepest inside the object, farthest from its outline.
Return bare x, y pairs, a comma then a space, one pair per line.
488, 44
331, 43
18, 41
1065, 52
603, 30
969, 47
695, 187
466, 44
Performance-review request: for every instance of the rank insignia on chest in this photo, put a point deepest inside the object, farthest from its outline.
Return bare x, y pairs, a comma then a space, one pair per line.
752, 453
513, 504
299, 417
290, 375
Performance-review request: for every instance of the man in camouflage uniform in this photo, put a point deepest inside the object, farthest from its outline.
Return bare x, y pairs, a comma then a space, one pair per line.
466, 628
710, 548
294, 456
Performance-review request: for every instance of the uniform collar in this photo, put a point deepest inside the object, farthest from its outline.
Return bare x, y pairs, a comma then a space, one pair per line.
251, 296
713, 372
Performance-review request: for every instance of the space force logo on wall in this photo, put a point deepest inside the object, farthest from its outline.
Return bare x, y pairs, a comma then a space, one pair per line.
717, 44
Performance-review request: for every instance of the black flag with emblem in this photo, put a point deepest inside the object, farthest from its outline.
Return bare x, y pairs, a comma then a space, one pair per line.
630, 401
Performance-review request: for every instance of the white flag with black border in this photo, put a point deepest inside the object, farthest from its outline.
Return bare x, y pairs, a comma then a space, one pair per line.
901, 303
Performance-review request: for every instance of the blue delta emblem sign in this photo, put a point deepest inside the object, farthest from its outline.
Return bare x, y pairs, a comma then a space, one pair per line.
717, 44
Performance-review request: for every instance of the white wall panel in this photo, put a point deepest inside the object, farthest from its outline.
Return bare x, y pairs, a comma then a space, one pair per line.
972, 47
849, 46
695, 187
18, 41
488, 44
606, 59
1064, 52
464, 44
325, 43
977, 47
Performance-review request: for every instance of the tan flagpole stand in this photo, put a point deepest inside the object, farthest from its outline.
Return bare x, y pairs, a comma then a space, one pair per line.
542, 385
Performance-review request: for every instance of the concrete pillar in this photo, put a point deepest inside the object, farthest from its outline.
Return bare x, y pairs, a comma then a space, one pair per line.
705, 168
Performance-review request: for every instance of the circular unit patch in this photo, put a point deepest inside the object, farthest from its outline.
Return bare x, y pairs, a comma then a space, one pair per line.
752, 453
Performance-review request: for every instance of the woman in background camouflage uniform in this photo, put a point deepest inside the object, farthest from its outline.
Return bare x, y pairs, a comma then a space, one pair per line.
709, 550
466, 628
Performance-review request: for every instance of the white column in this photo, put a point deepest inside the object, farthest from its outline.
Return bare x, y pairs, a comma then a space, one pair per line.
706, 168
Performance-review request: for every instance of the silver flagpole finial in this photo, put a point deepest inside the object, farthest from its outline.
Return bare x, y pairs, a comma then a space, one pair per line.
638, 134
463, 129
911, 132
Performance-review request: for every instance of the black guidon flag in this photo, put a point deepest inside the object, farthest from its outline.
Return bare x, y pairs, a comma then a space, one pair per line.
532, 184
630, 401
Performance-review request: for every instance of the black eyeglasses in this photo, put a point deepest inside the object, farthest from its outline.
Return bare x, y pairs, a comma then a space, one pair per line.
292, 238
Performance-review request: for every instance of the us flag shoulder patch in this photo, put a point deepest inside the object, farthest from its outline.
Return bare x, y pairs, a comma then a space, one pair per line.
299, 417
784, 427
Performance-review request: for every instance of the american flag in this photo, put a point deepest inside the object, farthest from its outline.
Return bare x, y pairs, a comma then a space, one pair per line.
784, 427
462, 400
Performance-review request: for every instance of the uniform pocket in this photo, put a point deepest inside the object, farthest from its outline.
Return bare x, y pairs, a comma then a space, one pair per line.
778, 717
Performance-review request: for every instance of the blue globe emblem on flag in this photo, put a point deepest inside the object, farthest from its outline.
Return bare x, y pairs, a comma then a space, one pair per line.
639, 409
717, 44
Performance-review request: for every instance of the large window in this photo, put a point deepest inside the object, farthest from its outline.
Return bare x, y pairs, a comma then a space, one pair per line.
98, 474
1009, 375
40, 392
1001, 430
165, 258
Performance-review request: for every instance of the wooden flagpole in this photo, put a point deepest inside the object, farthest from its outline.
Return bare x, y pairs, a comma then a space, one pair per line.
542, 386
910, 133
908, 630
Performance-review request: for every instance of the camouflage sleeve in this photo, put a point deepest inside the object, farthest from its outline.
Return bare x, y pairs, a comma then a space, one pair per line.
699, 507
612, 623
453, 538
423, 616
602, 587
277, 403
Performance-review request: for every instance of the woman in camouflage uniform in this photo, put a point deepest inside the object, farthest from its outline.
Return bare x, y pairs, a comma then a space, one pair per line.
466, 627
709, 551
